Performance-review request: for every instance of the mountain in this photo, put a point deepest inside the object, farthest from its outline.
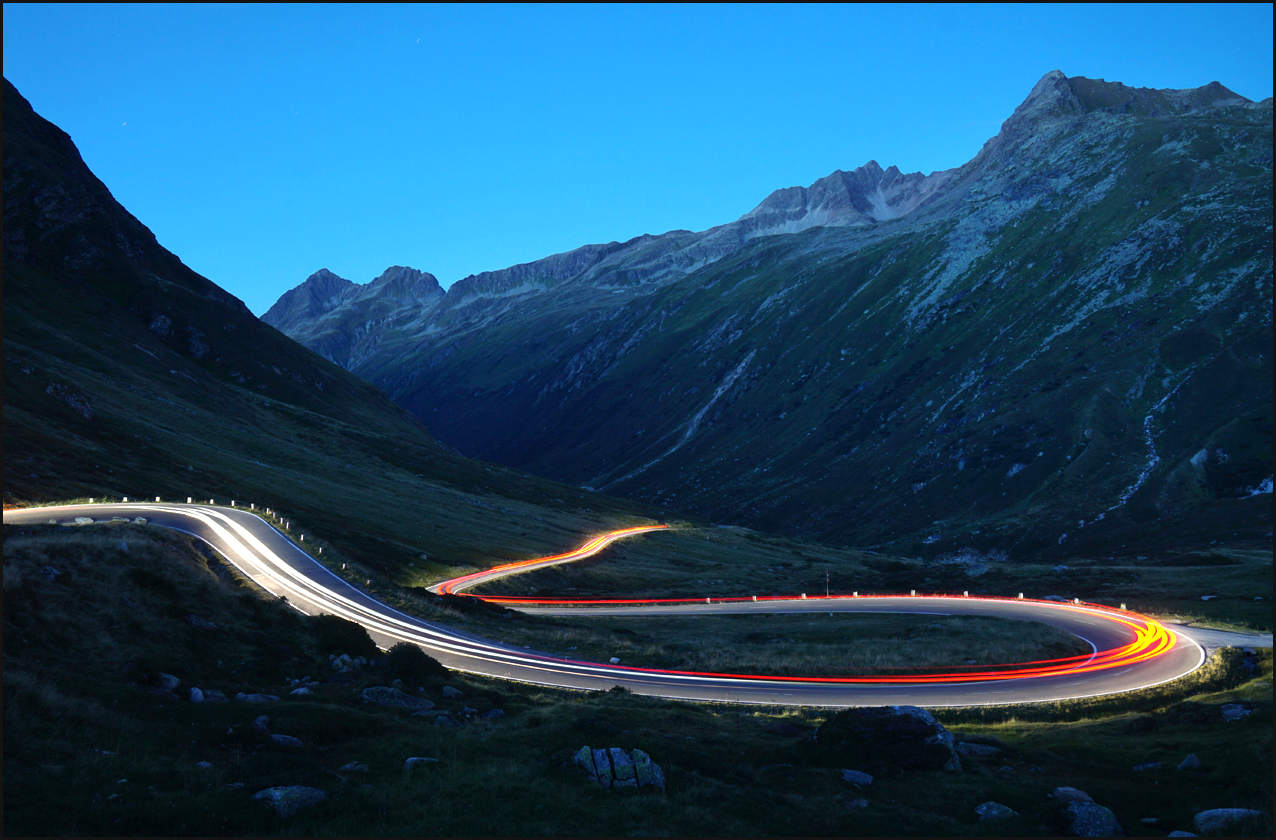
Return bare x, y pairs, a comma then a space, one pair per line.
1063, 345
128, 374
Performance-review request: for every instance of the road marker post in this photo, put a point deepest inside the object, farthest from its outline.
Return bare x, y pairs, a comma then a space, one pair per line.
855, 594
708, 601
91, 499
965, 593
303, 537
1122, 606
1076, 600
755, 597
912, 592
803, 596
188, 500
232, 502
1020, 596
157, 498
126, 498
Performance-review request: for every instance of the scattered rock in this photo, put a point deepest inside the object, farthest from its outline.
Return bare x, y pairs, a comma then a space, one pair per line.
1222, 819
255, 698
1148, 765
1190, 763
856, 804
492, 714
855, 777
204, 765
196, 695
353, 767
452, 693
1071, 794
287, 741
262, 725
615, 660
387, 696
1182, 834
301, 692
123, 546
168, 682
994, 811
1086, 819
1234, 711
288, 800
1208, 597
447, 720
212, 695
1149, 820
200, 623
417, 762
469, 711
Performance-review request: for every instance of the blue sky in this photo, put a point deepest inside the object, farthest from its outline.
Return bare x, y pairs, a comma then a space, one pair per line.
261, 143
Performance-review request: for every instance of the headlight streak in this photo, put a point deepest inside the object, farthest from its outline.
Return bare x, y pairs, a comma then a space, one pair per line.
1150, 640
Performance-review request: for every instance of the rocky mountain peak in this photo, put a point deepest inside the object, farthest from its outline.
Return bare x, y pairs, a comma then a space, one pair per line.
405, 285
864, 196
1057, 94
321, 292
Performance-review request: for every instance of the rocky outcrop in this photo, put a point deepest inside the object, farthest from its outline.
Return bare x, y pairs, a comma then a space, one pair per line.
617, 768
1220, 820
1086, 819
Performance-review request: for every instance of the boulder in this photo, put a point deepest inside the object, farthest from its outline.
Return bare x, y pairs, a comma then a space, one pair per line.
212, 695
262, 725
602, 767
256, 698
882, 737
856, 804
353, 767
301, 692
416, 762
1234, 711
855, 777
452, 693
1086, 819
1070, 794
287, 741
290, 799
49, 573
1190, 763
123, 546
649, 773
204, 765
994, 811
196, 695
168, 682
447, 720
386, 696
622, 769
1222, 819
492, 714
1149, 765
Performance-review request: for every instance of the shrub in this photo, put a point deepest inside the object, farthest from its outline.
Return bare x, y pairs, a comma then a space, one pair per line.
413, 665
337, 635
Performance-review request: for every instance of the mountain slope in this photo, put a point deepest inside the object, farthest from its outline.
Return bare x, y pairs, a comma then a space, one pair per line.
128, 374
1066, 341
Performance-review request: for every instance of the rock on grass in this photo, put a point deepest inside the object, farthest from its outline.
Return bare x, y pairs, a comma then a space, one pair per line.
288, 800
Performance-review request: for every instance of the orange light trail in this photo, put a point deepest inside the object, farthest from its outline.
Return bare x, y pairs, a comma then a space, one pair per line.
1150, 638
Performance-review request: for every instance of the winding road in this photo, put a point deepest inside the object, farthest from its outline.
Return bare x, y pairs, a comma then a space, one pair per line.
1130, 651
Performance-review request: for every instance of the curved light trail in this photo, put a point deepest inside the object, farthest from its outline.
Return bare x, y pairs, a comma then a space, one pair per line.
1131, 651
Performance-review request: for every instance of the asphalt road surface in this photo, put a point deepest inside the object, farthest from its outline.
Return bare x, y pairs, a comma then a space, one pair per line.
1131, 652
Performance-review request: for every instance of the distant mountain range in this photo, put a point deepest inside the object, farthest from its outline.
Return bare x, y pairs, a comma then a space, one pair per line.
1063, 345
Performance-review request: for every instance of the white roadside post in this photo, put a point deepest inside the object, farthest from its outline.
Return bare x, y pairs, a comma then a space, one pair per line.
912, 592
157, 498
126, 498
188, 500
90, 500
803, 596
755, 597
1020, 596
1122, 606
965, 593
855, 594
232, 502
